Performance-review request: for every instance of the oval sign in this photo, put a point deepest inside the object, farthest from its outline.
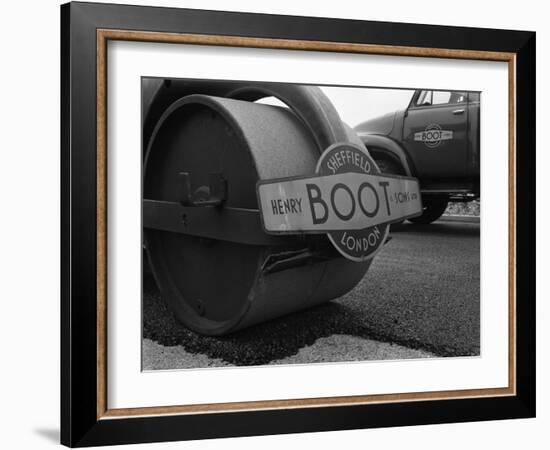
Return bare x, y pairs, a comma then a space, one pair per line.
348, 199
357, 245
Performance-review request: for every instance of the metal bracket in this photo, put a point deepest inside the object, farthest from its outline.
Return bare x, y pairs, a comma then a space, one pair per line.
225, 224
215, 194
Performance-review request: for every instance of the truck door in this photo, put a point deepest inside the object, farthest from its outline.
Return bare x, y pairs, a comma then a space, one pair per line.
436, 123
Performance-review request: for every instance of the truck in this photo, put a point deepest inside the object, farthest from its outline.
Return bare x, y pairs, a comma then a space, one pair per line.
435, 139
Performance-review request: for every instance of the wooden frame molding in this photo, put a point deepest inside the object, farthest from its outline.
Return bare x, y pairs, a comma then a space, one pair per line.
103, 36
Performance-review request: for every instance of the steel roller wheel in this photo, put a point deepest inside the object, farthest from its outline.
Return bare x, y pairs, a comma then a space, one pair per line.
215, 286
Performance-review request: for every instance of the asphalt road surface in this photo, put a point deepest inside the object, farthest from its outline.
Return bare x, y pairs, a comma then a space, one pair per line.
419, 299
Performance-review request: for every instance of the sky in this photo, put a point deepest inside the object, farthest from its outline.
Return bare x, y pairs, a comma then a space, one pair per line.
355, 105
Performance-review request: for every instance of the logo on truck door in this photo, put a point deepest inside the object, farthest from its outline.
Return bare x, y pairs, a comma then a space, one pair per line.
348, 199
433, 135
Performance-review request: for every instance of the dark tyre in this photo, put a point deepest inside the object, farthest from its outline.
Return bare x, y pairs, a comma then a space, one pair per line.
433, 208
391, 167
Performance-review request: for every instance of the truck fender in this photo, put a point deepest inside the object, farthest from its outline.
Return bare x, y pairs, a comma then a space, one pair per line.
382, 146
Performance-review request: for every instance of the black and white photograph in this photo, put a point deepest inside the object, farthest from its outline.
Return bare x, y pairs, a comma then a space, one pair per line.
300, 224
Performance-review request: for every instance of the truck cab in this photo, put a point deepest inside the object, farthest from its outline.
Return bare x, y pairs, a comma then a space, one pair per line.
435, 139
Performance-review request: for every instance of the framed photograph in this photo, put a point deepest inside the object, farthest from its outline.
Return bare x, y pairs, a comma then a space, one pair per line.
278, 224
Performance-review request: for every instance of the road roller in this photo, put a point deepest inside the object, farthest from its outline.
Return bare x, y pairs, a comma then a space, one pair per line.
206, 146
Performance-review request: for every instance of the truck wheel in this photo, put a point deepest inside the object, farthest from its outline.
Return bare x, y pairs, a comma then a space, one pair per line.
391, 167
433, 208
388, 166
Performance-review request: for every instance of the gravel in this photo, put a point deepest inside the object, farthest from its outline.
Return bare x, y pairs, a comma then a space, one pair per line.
159, 357
344, 348
422, 292
463, 208
335, 348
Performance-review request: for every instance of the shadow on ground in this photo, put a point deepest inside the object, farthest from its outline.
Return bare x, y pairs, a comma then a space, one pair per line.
271, 340
437, 228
